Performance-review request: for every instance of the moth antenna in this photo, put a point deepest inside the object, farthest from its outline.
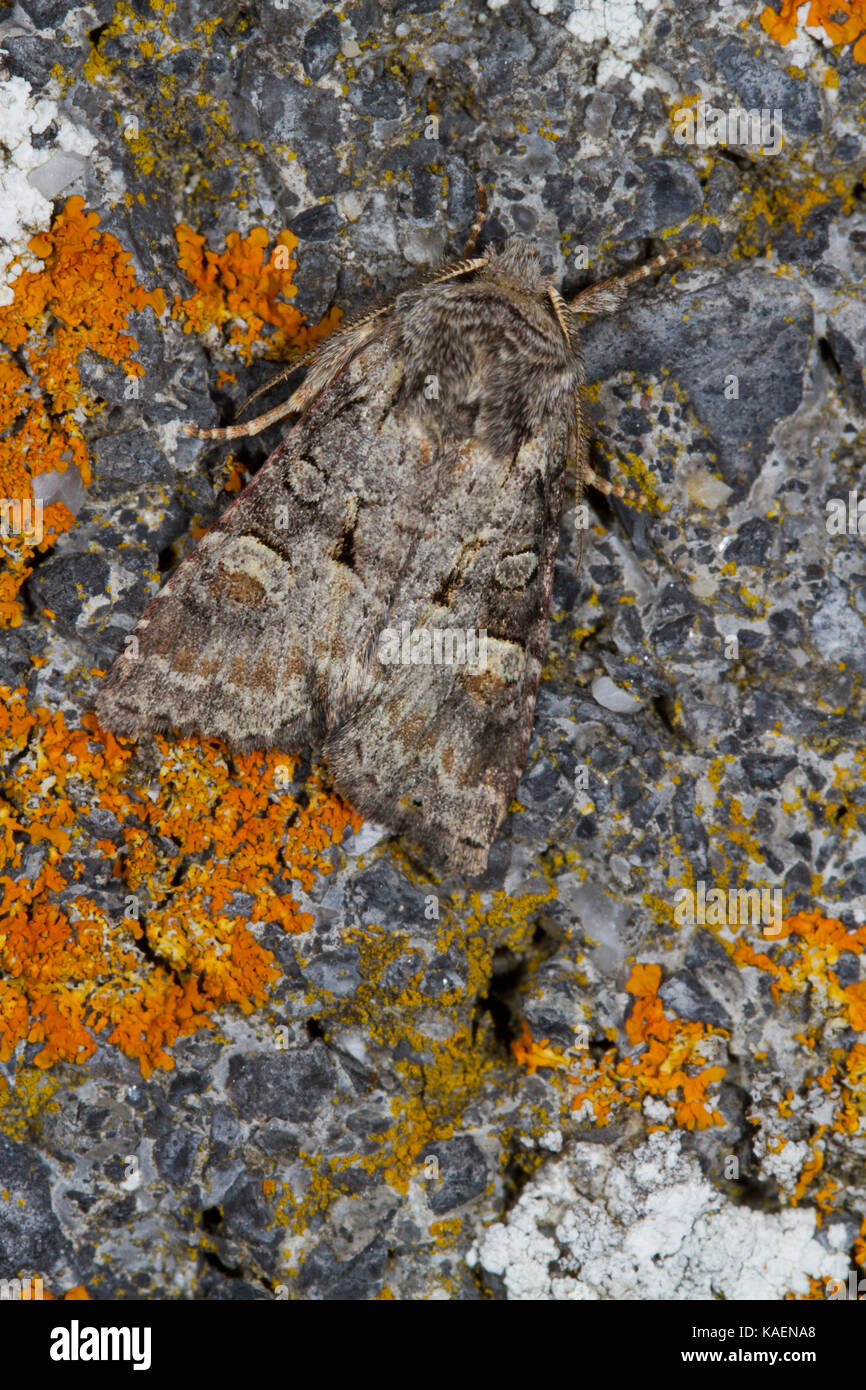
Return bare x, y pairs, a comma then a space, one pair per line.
272, 417
313, 383
580, 468
561, 310
353, 324
599, 299
581, 465
453, 272
607, 295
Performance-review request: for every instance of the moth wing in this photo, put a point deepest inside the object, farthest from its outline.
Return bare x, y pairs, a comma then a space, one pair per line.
435, 749
210, 654
255, 637
378, 512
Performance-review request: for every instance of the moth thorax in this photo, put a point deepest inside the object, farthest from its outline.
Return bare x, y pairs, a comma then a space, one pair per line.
519, 263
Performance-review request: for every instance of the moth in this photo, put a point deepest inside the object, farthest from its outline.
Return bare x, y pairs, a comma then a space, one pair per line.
415, 500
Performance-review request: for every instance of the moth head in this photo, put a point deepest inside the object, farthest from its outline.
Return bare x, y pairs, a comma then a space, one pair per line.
519, 264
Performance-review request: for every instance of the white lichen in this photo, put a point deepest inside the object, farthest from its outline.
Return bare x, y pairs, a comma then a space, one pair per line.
621, 26
30, 177
646, 1224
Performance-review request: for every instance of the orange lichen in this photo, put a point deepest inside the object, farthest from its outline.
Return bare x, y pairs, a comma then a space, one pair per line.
237, 289
533, 1055
810, 945
78, 1294
81, 299
823, 1198
67, 973
236, 475
207, 828
671, 1060
817, 942
782, 25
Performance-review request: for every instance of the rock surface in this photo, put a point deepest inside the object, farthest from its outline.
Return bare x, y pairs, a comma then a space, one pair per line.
379, 1124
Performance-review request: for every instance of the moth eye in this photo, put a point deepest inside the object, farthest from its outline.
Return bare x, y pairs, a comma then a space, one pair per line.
306, 480
516, 570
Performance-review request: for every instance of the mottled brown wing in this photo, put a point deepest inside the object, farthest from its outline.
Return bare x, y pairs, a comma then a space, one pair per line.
422, 486
436, 750
255, 636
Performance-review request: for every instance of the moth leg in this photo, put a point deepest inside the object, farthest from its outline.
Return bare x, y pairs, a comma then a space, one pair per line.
330, 359
589, 478
475, 229
249, 427
607, 295
282, 375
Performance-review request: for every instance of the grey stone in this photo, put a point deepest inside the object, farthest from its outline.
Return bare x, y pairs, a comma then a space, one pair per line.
31, 1240
760, 83
131, 457
316, 224
325, 1276
463, 1173
67, 583
398, 1009
686, 997
335, 972
291, 1085
321, 45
